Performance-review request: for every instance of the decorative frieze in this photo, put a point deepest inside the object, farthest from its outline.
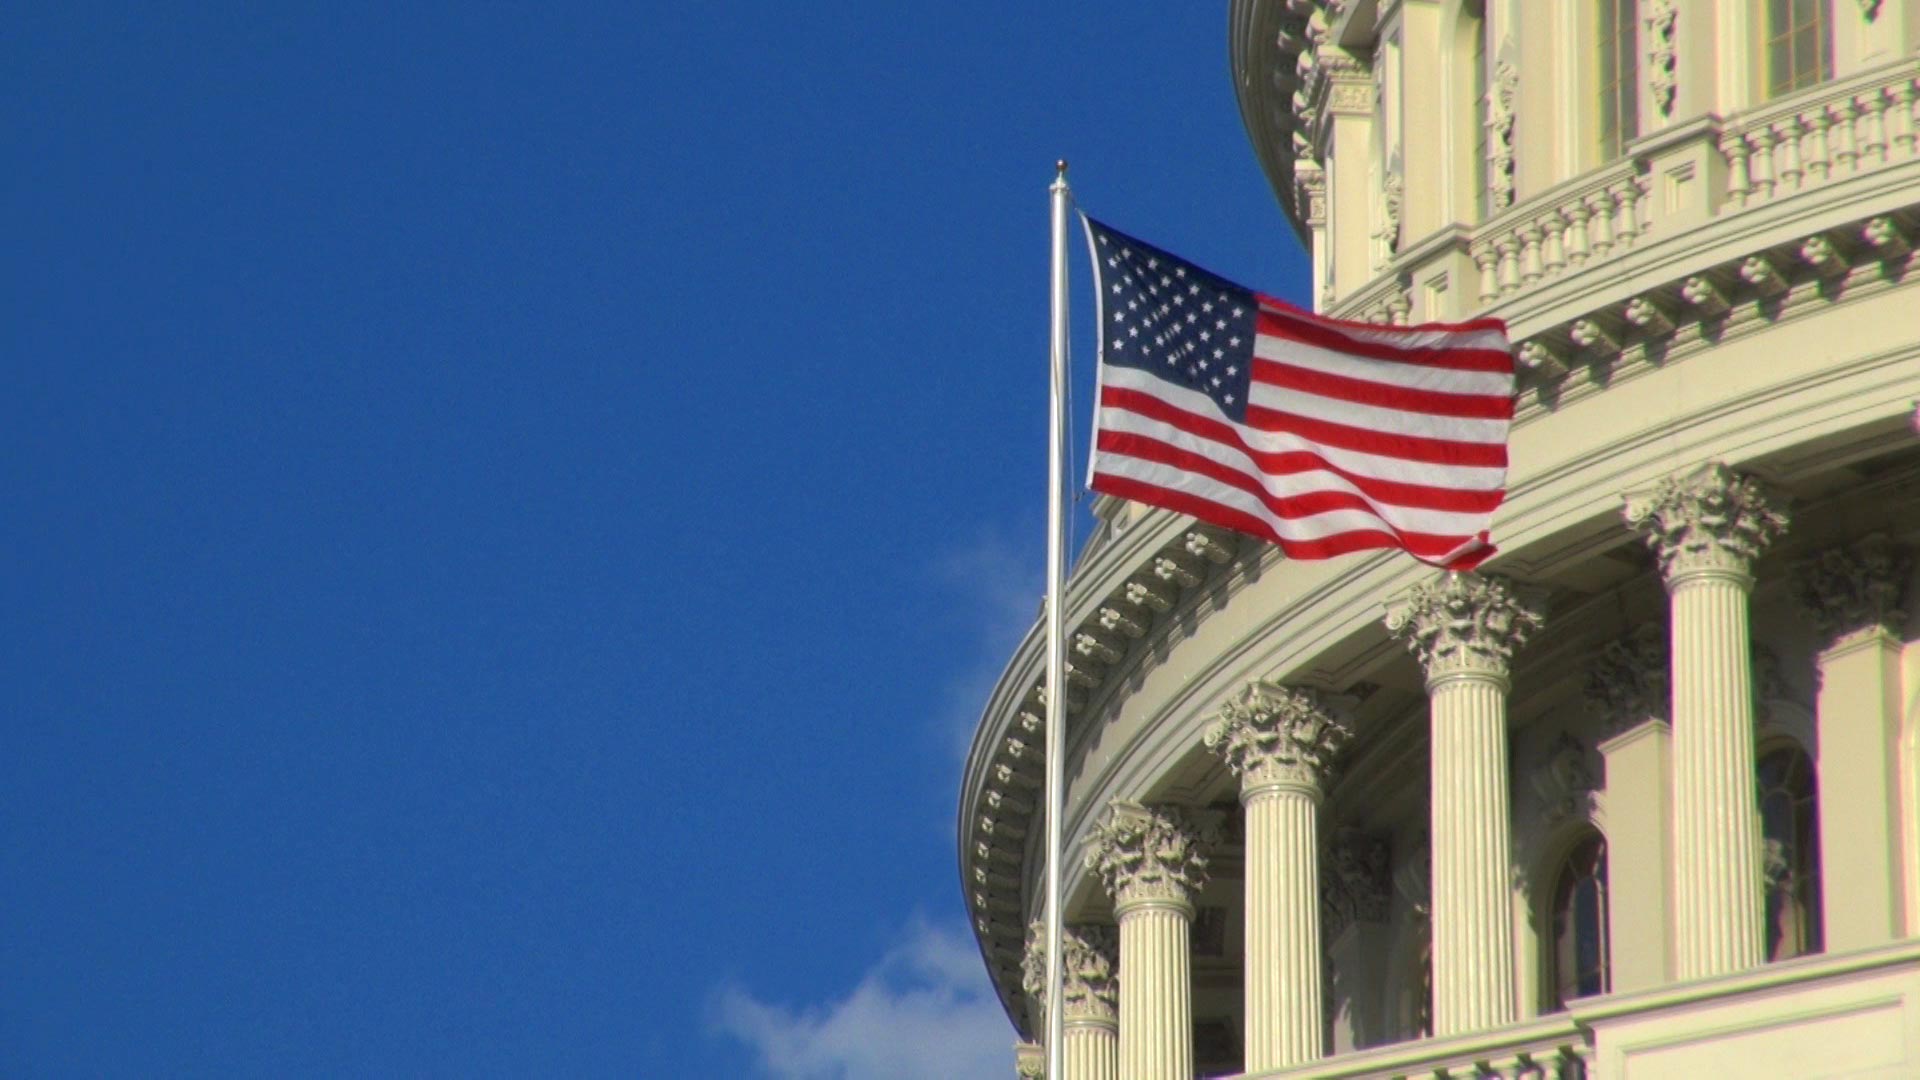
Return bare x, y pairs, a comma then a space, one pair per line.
1500, 133
1663, 54
1464, 623
1854, 587
1629, 680
1089, 960
1148, 853
1271, 734
1710, 520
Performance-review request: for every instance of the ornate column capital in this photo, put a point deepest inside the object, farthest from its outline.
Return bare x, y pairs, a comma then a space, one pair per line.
1148, 855
1710, 522
1464, 625
1628, 681
1088, 963
1853, 587
1278, 736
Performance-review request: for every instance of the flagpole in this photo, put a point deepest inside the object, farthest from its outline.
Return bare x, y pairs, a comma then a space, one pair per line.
1056, 629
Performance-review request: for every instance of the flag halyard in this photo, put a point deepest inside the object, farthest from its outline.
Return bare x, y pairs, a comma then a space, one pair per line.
1321, 436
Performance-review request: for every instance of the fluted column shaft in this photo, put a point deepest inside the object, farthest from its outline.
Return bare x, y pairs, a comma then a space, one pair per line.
1156, 991
1472, 855
1284, 1023
1716, 835
1092, 1049
1464, 630
1281, 740
1151, 861
1707, 527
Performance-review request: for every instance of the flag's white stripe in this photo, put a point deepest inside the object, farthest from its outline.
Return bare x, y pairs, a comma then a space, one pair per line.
1311, 527
1379, 418
1378, 466
1385, 372
1289, 485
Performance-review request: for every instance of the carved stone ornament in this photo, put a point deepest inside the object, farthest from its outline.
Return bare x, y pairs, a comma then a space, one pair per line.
1629, 680
1854, 587
1662, 54
1464, 623
1356, 884
1310, 196
1088, 965
1029, 1061
1500, 132
1269, 733
1712, 519
1564, 781
1413, 878
1392, 195
1146, 854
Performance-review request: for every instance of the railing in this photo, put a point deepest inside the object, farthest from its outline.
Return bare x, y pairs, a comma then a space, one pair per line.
1829, 133
1546, 236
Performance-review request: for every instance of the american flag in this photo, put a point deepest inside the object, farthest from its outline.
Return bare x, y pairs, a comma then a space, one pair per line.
1322, 436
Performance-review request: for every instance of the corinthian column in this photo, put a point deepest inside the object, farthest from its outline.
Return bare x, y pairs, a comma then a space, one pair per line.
1151, 862
1092, 1020
1464, 629
1707, 528
1280, 742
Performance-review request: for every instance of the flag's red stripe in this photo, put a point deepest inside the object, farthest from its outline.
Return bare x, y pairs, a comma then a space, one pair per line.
1284, 327
1470, 325
1428, 549
1285, 463
1290, 508
1386, 444
1362, 440
1362, 392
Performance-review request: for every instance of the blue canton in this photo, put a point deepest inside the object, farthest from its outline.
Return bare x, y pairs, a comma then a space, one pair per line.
1164, 315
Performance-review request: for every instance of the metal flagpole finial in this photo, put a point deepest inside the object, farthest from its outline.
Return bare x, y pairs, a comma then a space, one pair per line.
1060, 169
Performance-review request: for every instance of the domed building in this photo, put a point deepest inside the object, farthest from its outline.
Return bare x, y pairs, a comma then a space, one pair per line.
1641, 796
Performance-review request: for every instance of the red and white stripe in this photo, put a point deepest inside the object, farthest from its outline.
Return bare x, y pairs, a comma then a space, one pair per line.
1357, 436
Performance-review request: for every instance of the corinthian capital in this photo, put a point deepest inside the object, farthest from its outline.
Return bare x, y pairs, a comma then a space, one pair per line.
1146, 854
1710, 520
1628, 681
1270, 734
1854, 587
1464, 623
1088, 962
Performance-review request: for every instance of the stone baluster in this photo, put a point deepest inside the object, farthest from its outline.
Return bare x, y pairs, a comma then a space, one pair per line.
1707, 527
1853, 596
1904, 124
1760, 165
1509, 252
1530, 253
1553, 250
1846, 151
1790, 171
1600, 205
1488, 262
1873, 141
1464, 629
1819, 152
1091, 1026
1577, 218
1281, 742
1733, 146
1626, 195
1151, 861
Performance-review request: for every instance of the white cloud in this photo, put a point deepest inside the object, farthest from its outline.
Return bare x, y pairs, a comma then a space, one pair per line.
926, 1011
999, 585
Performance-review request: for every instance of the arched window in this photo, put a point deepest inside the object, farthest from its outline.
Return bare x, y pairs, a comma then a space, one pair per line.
1799, 45
1579, 964
1790, 826
1619, 77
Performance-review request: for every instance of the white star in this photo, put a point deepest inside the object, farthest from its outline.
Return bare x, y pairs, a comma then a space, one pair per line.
1207, 307
1228, 399
1220, 355
1192, 318
1180, 271
1133, 331
1116, 290
1219, 324
1233, 369
1153, 264
1119, 316
1237, 312
1234, 341
1216, 380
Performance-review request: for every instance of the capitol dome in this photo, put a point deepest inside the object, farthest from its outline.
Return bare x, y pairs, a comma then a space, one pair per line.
1641, 796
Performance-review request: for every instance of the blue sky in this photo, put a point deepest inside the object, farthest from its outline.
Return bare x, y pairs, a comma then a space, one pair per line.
513, 512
